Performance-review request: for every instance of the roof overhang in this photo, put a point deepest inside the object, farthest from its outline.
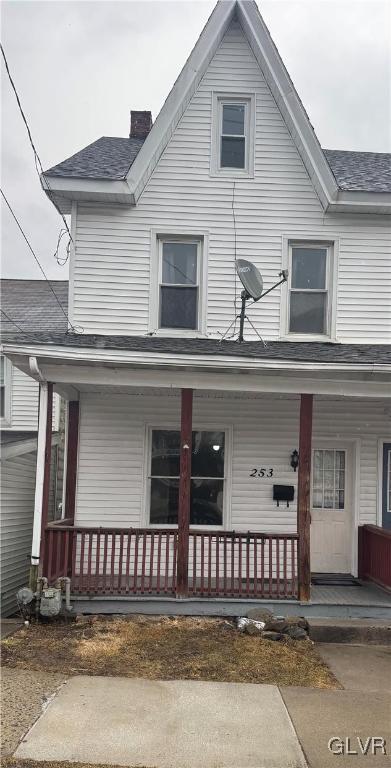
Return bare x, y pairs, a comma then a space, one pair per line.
63, 191
72, 366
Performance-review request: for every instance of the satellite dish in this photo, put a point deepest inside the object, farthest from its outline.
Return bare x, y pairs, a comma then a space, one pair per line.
250, 278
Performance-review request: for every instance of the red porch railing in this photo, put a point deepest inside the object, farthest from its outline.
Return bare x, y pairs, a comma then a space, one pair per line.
374, 555
142, 561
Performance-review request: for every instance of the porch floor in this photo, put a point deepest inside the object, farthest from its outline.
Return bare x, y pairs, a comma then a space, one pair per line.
365, 601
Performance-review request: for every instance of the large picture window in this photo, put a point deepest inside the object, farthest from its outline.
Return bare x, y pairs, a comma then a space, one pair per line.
207, 477
309, 289
180, 269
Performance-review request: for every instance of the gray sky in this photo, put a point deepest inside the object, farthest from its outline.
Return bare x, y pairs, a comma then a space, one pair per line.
80, 67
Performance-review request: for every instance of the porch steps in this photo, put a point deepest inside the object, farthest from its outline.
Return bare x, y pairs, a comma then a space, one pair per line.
353, 631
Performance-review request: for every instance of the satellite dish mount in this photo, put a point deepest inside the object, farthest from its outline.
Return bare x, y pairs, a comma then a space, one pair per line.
252, 282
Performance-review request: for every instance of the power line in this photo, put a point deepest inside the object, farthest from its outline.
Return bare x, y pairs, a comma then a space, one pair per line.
37, 160
7, 317
75, 329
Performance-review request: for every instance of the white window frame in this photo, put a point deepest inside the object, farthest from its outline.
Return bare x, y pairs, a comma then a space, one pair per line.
219, 100
157, 239
331, 244
5, 421
227, 478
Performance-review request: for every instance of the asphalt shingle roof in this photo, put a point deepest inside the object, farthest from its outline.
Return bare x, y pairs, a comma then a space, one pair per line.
31, 304
107, 158
360, 171
322, 352
111, 157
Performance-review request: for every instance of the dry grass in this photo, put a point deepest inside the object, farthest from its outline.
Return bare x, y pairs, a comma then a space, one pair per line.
165, 649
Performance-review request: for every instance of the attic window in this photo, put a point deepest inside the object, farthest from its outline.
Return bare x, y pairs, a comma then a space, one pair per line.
233, 139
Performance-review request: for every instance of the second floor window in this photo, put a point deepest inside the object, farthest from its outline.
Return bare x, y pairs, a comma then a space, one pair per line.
180, 265
233, 135
309, 289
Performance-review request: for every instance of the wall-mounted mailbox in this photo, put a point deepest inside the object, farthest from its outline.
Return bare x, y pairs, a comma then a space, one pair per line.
283, 493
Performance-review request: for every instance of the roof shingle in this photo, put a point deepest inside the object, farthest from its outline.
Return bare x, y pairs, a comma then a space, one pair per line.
318, 352
360, 171
31, 304
107, 158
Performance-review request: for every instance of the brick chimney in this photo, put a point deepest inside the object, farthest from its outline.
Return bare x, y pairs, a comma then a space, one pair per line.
140, 124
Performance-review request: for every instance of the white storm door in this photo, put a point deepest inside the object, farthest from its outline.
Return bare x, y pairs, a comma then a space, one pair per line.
331, 514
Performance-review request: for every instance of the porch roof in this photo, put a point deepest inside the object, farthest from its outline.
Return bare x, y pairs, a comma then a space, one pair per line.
289, 351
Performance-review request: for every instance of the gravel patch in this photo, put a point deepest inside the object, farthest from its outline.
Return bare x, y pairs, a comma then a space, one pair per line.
24, 694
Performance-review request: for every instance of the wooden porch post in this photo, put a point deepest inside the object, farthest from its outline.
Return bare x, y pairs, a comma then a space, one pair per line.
184, 493
304, 496
71, 465
42, 480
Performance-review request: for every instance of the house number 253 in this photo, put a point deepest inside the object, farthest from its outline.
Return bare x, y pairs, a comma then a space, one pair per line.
261, 472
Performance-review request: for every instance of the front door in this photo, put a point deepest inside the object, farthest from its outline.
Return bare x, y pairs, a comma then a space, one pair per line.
331, 514
386, 486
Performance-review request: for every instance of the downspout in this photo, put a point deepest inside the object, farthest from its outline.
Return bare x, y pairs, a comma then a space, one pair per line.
41, 445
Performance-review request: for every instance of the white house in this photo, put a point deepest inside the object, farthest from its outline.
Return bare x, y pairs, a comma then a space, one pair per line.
31, 305
183, 441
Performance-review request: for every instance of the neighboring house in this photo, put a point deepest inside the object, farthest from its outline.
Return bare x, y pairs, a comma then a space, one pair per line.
181, 446
32, 306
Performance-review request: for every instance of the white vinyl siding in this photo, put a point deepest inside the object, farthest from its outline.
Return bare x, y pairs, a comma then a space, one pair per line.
17, 509
24, 403
113, 455
113, 243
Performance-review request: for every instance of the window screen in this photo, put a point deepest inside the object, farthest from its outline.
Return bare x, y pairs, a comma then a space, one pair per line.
308, 300
179, 285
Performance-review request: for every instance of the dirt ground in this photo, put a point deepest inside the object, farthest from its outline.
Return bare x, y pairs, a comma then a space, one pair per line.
165, 648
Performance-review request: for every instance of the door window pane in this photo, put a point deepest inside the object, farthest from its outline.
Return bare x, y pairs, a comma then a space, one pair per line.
179, 263
178, 307
232, 152
328, 479
233, 119
308, 312
309, 268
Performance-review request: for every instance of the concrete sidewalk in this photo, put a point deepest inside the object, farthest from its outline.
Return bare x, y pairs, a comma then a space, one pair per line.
171, 724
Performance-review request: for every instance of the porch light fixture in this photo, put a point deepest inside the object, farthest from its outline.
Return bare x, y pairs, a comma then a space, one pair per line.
294, 459
216, 447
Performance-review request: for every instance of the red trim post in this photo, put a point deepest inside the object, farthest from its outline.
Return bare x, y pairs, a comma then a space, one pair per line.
46, 471
72, 451
304, 496
182, 588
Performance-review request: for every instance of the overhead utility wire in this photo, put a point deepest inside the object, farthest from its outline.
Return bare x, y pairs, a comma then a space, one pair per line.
38, 163
7, 317
73, 328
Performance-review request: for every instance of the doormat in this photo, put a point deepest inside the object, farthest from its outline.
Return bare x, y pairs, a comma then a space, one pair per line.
334, 580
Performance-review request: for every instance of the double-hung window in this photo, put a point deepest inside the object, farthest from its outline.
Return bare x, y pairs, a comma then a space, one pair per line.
207, 477
309, 289
179, 283
233, 135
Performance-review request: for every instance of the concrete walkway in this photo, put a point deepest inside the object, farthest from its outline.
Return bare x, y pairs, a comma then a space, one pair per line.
172, 724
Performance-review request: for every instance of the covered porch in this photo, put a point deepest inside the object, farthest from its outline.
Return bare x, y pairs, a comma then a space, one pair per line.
247, 536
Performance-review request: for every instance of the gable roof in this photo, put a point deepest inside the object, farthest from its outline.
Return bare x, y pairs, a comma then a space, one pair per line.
111, 157
31, 304
143, 164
